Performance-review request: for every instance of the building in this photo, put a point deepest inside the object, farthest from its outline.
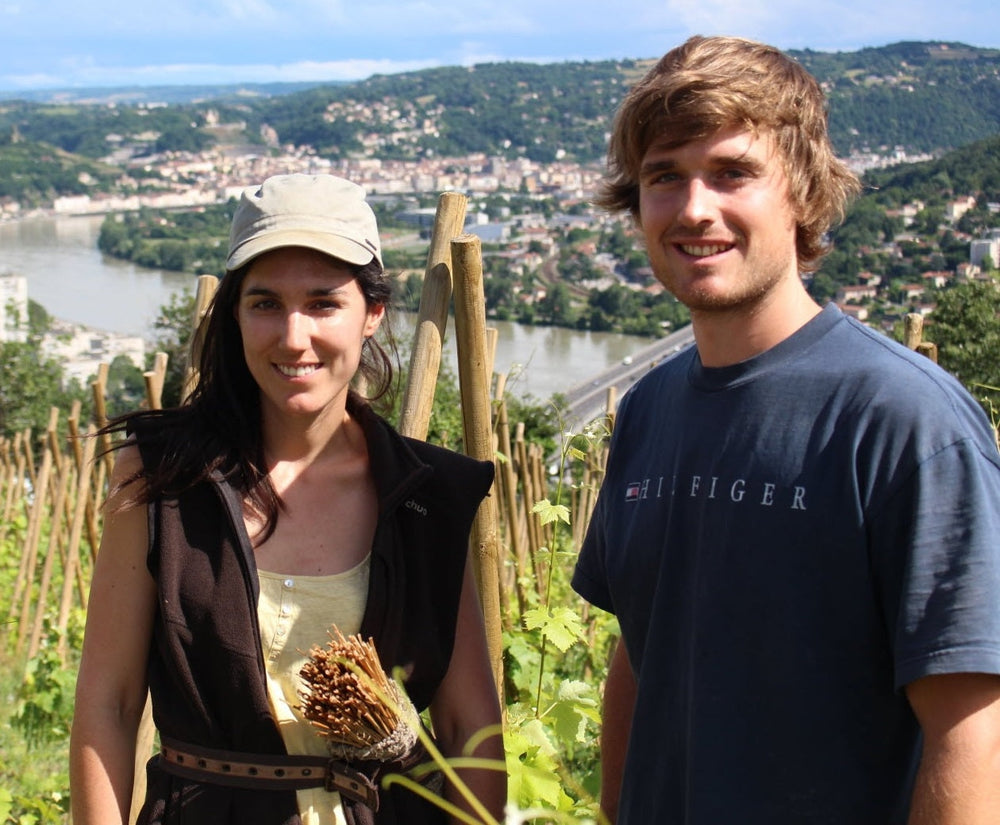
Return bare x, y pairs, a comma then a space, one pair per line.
81, 350
14, 304
982, 248
855, 293
955, 209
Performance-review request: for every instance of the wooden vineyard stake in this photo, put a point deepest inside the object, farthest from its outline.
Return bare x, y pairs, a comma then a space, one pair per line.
473, 362
207, 287
913, 330
154, 379
73, 569
24, 587
508, 497
98, 390
432, 318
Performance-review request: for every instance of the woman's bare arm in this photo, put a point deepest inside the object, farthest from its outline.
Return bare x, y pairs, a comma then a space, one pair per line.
466, 704
111, 686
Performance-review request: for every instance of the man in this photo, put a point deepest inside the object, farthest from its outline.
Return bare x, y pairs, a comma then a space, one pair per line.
799, 528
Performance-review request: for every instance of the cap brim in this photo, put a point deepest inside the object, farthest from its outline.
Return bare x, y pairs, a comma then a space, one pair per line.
335, 246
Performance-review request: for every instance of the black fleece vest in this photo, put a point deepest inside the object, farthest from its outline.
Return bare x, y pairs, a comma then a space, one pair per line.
206, 669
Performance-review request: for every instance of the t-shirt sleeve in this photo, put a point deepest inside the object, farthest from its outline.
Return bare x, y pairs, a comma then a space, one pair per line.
590, 578
936, 551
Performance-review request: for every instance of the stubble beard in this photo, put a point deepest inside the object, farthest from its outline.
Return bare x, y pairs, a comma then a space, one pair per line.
742, 290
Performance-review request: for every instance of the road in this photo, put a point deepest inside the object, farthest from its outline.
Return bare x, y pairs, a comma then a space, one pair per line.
588, 400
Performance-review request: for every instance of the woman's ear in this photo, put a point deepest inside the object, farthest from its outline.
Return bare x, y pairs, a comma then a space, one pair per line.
376, 312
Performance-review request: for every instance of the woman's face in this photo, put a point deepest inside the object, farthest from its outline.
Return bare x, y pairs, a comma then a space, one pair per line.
303, 320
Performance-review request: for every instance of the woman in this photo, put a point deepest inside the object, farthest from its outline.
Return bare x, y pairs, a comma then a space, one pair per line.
244, 524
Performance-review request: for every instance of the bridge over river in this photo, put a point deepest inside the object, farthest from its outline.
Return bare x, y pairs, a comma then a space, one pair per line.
589, 399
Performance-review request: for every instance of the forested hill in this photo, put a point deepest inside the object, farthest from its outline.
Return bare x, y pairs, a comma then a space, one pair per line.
973, 169
922, 97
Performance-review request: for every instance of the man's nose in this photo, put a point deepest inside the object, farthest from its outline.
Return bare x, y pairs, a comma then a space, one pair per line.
699, 203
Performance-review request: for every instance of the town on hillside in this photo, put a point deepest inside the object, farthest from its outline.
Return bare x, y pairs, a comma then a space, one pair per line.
530, 239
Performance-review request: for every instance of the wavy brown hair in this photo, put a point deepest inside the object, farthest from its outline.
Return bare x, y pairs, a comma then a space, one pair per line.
713, 83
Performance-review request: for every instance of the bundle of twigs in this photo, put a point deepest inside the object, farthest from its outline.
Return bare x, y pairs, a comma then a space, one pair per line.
353, 704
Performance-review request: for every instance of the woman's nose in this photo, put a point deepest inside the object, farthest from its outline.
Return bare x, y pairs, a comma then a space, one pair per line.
295, 332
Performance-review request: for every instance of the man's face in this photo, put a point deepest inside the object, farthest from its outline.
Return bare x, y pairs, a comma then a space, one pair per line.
717, 219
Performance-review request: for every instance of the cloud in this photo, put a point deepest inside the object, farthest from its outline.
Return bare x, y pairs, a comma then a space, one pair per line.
120, 42
88, 74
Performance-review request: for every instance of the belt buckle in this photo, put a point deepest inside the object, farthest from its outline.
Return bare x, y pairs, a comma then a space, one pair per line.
342, 779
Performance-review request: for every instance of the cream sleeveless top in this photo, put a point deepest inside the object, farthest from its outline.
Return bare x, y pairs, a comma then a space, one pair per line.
295, 613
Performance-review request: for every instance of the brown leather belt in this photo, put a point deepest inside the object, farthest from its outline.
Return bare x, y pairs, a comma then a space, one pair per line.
262, 771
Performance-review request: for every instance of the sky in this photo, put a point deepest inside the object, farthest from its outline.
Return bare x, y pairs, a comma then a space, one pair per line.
56, 44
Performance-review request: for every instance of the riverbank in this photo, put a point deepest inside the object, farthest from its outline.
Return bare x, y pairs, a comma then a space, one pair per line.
73, 280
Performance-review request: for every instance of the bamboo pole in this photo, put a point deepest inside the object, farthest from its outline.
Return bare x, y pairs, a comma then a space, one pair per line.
508, 495
20, 471
528, 497
207, 286
432, 318
65, 478
94, 482
99, 389
913, 328
29, 457
525, 503
473, 359
609, 405
29, 558
536, 465
86, 497
83, 500
154, 379
13, 484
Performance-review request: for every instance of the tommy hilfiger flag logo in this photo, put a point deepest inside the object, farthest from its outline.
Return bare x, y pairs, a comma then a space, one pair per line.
632, 491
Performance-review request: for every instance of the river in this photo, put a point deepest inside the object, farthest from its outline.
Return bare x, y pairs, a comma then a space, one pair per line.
74, 281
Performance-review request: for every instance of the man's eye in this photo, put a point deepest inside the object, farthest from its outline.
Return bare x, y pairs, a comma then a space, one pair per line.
663, 177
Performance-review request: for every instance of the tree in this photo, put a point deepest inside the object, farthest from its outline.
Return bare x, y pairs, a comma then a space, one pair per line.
174, 325
126, 388
30, 385
557, 306
966, 329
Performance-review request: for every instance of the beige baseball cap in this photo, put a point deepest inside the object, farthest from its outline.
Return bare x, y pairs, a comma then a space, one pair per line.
321, 212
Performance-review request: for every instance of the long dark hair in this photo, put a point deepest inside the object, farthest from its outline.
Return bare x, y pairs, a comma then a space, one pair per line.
217, 430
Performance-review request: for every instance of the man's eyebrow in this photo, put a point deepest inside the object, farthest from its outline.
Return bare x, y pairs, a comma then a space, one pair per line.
741, 159
651, 166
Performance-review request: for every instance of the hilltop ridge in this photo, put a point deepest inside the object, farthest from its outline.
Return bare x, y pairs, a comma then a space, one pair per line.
909, 96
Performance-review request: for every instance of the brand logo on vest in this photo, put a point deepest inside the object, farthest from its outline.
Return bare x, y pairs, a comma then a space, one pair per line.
419, 508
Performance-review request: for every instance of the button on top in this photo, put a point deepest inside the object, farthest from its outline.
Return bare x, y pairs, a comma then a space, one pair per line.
289, 582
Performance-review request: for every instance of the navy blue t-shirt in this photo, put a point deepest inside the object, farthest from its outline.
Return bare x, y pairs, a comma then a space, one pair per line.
786, 543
